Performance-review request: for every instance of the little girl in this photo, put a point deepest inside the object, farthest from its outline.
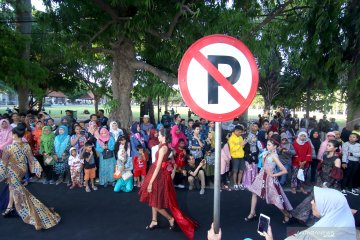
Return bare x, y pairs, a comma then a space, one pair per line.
75, 164
122, 148
140, 164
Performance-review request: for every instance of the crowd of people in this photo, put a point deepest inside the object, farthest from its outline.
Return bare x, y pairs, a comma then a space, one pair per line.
261, 156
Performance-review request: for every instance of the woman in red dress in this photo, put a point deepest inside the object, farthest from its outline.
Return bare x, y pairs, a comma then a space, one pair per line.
158, 191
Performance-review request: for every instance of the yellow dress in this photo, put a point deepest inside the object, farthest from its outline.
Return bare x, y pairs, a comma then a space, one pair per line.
13, 167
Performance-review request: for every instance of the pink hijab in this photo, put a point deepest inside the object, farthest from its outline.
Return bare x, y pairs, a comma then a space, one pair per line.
5, 134
102, 139
177, 136
323, 145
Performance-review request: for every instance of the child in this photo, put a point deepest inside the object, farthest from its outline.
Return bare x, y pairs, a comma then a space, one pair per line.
75, 164
89, 167
350, 162
225, 166
210, 163
180, 154
140, 166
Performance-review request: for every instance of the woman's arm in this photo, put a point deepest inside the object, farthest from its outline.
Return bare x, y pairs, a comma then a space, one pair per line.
337, 163
162, 152
281, 166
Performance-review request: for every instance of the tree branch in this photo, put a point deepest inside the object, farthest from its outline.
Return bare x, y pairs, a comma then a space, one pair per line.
106, 26
267, 20
166, 77
102, 50
104, 6
172, 25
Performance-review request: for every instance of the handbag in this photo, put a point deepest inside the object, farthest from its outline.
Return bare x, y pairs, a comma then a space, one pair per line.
108, 154
336, 173
300, 175
117, 174
126, 175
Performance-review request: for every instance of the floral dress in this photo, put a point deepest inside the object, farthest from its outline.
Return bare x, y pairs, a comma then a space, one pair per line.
269, 188
197, 153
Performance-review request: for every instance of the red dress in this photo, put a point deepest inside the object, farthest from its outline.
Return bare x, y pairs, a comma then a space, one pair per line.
163, 195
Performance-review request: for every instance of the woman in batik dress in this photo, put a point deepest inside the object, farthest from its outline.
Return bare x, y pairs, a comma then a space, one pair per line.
13, 167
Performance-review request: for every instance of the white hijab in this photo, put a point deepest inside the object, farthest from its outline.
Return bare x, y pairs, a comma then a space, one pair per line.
115, 133
298, 138
336, 222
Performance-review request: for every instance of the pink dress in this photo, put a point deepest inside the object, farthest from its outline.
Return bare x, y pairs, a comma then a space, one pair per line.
250, 174
269, 188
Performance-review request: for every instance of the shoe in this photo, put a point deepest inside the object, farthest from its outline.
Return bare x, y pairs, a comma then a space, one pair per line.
344, 192
87, 189
241, 187
59, 181
72, 186
52, 182
113, 184
250, 218
105, 185
191, 188
236, 187
172, 226
180, 186
151, 226
353, 192
46, 181
202, 191
94, 188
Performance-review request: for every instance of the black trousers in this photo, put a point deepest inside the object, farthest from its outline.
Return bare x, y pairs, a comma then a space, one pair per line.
314, 164
350, 174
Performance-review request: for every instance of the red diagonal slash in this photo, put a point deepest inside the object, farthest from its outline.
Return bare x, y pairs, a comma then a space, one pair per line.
214, 72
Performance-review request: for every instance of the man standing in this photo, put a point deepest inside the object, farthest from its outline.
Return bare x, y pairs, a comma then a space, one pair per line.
102, 119
236, 145
262, 135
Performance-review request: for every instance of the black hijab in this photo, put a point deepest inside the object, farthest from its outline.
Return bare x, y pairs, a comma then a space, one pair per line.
316, 142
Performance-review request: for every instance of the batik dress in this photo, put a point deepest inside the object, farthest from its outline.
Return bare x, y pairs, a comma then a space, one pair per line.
12, 169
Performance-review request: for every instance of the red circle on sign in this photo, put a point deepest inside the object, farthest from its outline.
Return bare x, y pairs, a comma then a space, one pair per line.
183, 84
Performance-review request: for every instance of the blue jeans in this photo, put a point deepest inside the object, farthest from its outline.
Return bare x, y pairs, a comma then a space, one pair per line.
282, 178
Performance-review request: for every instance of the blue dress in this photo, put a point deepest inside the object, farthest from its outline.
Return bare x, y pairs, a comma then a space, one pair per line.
128, 184
106, 166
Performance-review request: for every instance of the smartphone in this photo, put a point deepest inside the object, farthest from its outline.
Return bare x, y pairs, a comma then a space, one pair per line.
264, 222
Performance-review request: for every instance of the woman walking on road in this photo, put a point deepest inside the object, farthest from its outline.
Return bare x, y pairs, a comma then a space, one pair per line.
158, 191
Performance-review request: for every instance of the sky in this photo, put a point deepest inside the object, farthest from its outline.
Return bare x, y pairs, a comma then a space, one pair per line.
38, 4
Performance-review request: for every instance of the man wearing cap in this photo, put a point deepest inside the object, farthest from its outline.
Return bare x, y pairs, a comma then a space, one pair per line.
146, 125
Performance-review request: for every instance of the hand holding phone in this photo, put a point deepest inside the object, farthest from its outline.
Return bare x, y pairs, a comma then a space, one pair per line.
264, 222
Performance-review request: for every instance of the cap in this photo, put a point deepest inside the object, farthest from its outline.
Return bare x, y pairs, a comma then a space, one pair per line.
146, 116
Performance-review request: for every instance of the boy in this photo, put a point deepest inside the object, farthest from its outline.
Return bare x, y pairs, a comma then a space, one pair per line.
140, 166
89, 167
350, 162
236, 145
193, 171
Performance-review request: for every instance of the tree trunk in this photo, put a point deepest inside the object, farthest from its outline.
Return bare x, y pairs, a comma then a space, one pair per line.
353, 109
151, 110
23, 17
166, 103
96, 103
308, 99
122, 77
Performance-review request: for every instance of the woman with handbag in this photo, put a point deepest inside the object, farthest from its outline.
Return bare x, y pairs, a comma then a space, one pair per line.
329, 177
124, 166
47, 151
301, 161
105, 145
62, 147
159, 193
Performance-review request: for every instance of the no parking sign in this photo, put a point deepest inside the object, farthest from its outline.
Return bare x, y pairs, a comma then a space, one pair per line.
218, 77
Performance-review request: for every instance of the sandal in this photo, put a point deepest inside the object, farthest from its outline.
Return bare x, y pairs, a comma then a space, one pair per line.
87, 189
8, 212
226, 188
152, 226
172, 226
250, 218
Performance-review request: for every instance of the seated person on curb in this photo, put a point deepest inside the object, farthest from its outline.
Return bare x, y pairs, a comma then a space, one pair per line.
194, 171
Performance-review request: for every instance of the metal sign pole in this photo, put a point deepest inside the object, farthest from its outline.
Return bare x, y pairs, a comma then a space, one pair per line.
217, 180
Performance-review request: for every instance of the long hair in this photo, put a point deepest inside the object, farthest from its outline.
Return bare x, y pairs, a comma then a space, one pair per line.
166, 133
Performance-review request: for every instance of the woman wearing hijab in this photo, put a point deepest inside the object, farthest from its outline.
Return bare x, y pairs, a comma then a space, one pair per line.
301, 160
105, 145
47, 150
115, 131
62, 146
5, 134
335, 218
316, 142
137, 138
176, 135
